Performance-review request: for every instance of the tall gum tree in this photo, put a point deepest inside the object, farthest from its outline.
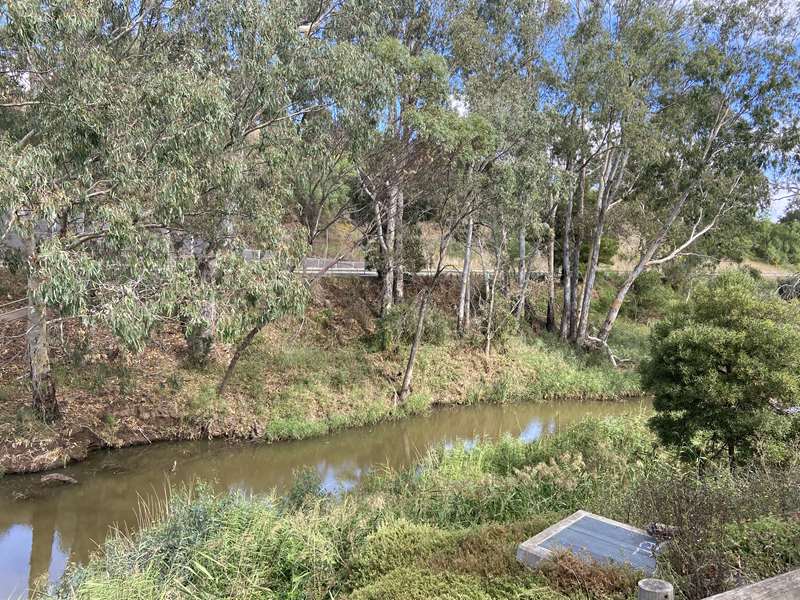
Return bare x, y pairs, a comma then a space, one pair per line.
722, 124
291, 88
84, 164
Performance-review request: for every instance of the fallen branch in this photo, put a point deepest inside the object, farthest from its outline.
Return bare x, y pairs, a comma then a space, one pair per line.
616, 361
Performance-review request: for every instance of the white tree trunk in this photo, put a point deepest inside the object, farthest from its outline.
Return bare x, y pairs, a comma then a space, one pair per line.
609, 184
463, 298
388, 252
399, 291
43, 391
522, 279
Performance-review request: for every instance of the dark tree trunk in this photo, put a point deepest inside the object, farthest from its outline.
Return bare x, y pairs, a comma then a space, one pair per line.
522, 279
566, 270
237, 354
575, 268
732, 457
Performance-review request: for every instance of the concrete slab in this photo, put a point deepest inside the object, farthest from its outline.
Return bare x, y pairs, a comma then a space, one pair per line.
594, 538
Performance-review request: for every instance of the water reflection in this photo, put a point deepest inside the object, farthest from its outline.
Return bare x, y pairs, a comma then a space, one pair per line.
41, 534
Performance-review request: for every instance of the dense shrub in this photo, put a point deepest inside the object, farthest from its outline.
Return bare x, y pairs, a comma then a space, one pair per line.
649, 298
713, 514
777, 243
504, 325
718, 364
764, 547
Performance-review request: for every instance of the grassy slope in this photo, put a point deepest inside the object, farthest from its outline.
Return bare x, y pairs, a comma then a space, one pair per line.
448, 527
298, 379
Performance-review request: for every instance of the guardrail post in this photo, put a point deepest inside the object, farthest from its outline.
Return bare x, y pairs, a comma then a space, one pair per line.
655, 589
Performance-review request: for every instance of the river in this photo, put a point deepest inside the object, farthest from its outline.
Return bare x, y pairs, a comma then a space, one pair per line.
41, 530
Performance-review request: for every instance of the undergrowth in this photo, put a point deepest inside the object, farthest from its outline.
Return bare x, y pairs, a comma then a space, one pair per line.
448, 527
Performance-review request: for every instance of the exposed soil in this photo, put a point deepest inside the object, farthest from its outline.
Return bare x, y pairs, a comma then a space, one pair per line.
109, 398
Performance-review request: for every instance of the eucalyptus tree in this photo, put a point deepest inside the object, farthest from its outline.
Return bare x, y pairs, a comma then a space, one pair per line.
292, 97
139, 162
101, 123
722, 123
461, 157
611, 59
409, 39
497, 55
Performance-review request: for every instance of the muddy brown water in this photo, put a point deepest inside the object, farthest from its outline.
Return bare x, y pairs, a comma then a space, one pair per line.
42, 529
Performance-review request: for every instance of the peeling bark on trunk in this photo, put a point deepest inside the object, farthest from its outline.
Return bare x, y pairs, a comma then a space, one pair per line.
200, 338
43, 389
609, 184
463, 299
387, 296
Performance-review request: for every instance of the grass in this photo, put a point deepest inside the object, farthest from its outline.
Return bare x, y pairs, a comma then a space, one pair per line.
448, 528
305, 389
305, 378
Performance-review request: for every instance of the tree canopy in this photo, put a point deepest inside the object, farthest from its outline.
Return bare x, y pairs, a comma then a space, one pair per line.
147, 145
721, 365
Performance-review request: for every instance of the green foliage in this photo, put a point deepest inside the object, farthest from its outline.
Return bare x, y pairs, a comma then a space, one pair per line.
417, 403
762, 548
422, 584
449, 527
561, 371
649, 298
719, 533
717, 364
399, 325
777, 243
305, 490
609, 246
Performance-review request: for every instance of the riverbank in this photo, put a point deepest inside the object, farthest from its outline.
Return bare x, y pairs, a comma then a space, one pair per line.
299, 379
448, 527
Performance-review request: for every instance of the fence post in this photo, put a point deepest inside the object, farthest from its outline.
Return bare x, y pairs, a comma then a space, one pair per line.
655, 589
